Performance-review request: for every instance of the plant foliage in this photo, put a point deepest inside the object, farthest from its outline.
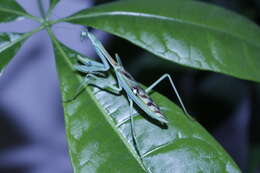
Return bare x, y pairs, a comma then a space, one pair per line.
186, 32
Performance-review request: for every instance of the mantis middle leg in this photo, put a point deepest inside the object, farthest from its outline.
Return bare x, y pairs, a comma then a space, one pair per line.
135, 142
134, 139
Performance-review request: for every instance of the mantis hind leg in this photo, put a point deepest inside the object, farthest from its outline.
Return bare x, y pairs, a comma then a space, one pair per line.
174, 89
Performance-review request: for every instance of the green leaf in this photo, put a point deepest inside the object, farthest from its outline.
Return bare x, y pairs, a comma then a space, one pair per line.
10, 10
53, 3
99, 137
10, 42
94, 144
190, 33
9, 45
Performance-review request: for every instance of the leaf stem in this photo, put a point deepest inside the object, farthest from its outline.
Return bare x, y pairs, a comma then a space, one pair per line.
41, 8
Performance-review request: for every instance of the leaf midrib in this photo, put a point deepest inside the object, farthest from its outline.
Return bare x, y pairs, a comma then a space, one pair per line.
18, 13
146, 15
24, 36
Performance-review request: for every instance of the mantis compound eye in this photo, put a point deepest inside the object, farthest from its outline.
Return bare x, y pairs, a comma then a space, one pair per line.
135, 90
83, 35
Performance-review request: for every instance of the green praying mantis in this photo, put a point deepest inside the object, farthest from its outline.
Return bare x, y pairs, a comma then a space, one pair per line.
133, 90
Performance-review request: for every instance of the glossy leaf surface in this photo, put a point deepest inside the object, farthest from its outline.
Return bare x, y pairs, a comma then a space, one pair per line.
98, 131
94, 144
10, 10
187, 32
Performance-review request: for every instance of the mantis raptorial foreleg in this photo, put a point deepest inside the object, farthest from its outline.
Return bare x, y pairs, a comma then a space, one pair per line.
90, 66
93, 68
91, 79
95, 81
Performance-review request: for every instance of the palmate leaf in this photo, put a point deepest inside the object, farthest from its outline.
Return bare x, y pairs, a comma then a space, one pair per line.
10, 10
97, 122
187, 32
10, 42
99, 138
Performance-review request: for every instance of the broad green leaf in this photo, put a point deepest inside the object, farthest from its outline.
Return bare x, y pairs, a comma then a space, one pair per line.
94, 144
10, 42
190, 33
9, 45
10, 10
99, 137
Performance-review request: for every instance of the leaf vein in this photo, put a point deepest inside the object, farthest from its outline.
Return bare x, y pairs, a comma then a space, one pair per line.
124, 13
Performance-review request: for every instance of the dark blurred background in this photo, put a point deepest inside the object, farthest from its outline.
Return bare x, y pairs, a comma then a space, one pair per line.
32, 134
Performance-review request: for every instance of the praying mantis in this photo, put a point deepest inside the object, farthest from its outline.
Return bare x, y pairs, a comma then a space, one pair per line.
134, 92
